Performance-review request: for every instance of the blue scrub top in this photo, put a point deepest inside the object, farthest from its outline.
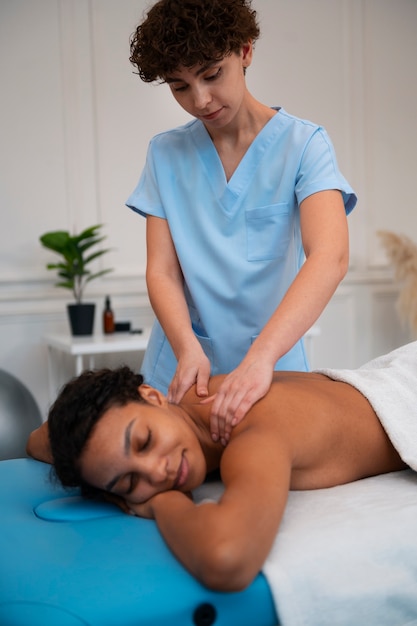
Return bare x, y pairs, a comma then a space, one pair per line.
238, 242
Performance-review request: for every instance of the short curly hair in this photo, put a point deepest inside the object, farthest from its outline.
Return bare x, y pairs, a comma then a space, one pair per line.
78, 408
185, 33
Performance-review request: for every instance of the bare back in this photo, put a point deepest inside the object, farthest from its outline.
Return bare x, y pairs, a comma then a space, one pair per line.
331, 431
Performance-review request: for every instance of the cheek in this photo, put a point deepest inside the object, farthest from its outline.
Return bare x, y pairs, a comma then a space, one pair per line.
95, 469
91, 474
141, 494
184, 102
177, 95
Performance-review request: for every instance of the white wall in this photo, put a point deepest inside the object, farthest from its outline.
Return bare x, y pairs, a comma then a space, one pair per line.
75, 123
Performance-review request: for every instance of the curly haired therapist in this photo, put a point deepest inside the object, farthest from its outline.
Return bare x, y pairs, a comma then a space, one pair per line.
247, 235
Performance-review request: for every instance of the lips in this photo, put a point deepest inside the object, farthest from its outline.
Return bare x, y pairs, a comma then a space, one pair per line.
182, 473
211, 116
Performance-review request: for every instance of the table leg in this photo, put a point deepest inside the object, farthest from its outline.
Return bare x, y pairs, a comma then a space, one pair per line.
78, 364
51, 377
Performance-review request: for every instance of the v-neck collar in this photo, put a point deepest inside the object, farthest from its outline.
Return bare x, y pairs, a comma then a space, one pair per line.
228, 191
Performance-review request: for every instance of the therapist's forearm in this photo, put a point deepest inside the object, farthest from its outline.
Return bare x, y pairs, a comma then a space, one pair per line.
300, 308
166, 295
325, 239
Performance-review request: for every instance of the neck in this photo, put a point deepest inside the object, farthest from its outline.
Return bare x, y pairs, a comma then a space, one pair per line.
197, 416
249, 121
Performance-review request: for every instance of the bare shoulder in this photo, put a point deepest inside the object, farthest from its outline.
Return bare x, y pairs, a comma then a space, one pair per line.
257, 461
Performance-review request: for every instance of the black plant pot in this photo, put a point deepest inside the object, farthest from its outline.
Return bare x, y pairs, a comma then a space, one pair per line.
81, 317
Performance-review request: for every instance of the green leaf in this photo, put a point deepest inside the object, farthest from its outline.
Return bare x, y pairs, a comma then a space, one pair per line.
73, 266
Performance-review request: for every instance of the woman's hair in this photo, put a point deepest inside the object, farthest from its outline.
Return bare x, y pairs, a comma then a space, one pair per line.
79, 406
186, 33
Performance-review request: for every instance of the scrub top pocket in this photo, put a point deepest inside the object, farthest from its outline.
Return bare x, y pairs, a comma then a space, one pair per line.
268, 231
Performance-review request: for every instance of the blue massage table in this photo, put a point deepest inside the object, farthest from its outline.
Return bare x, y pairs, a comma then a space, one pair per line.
66, 561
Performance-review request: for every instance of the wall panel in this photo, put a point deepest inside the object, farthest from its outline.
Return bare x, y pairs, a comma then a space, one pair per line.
33, 179
390, 104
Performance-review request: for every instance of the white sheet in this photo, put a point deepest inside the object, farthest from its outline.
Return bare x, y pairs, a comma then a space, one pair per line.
346, 556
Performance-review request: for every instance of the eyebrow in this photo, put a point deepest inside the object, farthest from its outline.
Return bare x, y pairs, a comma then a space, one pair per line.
203, 68
128, 433
126, 449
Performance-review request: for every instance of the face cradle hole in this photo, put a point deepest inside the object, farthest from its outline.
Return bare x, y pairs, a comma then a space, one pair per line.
204, 615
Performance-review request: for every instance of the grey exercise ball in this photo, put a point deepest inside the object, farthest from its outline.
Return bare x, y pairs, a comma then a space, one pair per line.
19, 415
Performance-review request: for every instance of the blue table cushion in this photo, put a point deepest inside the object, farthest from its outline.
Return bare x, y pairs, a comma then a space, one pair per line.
68, 561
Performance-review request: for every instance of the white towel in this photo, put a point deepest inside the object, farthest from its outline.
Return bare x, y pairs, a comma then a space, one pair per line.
389, 383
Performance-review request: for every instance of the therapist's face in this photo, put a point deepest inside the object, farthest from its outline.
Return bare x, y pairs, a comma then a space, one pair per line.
214, 92
141, 449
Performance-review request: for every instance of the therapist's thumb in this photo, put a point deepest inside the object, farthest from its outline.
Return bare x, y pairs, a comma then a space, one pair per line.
202, 385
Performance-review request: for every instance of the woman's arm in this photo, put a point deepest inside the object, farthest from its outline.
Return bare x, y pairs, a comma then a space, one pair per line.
326, 243
165, 284
225, 544
38, 444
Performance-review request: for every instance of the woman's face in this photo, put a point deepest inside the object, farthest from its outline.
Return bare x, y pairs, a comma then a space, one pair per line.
212, 93
141, 449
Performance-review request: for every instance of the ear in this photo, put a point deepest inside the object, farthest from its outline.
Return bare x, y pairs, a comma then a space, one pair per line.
247, 53
152, 395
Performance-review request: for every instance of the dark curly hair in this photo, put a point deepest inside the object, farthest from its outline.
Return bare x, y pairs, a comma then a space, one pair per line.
185, 33
79, 406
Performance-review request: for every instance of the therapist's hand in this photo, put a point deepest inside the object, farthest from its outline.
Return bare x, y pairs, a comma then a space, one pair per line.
193, 369
239, 391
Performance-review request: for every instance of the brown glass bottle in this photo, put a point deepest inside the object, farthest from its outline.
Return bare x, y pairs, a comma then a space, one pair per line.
108, 317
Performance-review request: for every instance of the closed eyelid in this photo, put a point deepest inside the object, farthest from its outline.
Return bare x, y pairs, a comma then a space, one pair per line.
132, 482
170, 80
216, 73
176, 82
127, 483
126, 449
148, 440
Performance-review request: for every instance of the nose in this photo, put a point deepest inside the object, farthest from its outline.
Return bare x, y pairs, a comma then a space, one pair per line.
202, 97
156, 470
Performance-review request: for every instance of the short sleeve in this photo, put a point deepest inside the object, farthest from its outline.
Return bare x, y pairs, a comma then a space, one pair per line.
146, 199
318, 171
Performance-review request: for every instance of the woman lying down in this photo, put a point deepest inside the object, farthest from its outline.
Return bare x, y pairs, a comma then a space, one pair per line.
108, 431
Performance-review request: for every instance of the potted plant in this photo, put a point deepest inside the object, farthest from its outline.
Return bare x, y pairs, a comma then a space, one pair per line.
76, 254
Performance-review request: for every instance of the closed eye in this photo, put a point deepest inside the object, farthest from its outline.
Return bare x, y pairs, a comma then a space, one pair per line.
133, 478
215, 75
148, 441
133, 481
182, 88
208, 78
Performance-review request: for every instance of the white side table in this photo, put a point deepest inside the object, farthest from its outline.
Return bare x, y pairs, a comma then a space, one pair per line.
80, 347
